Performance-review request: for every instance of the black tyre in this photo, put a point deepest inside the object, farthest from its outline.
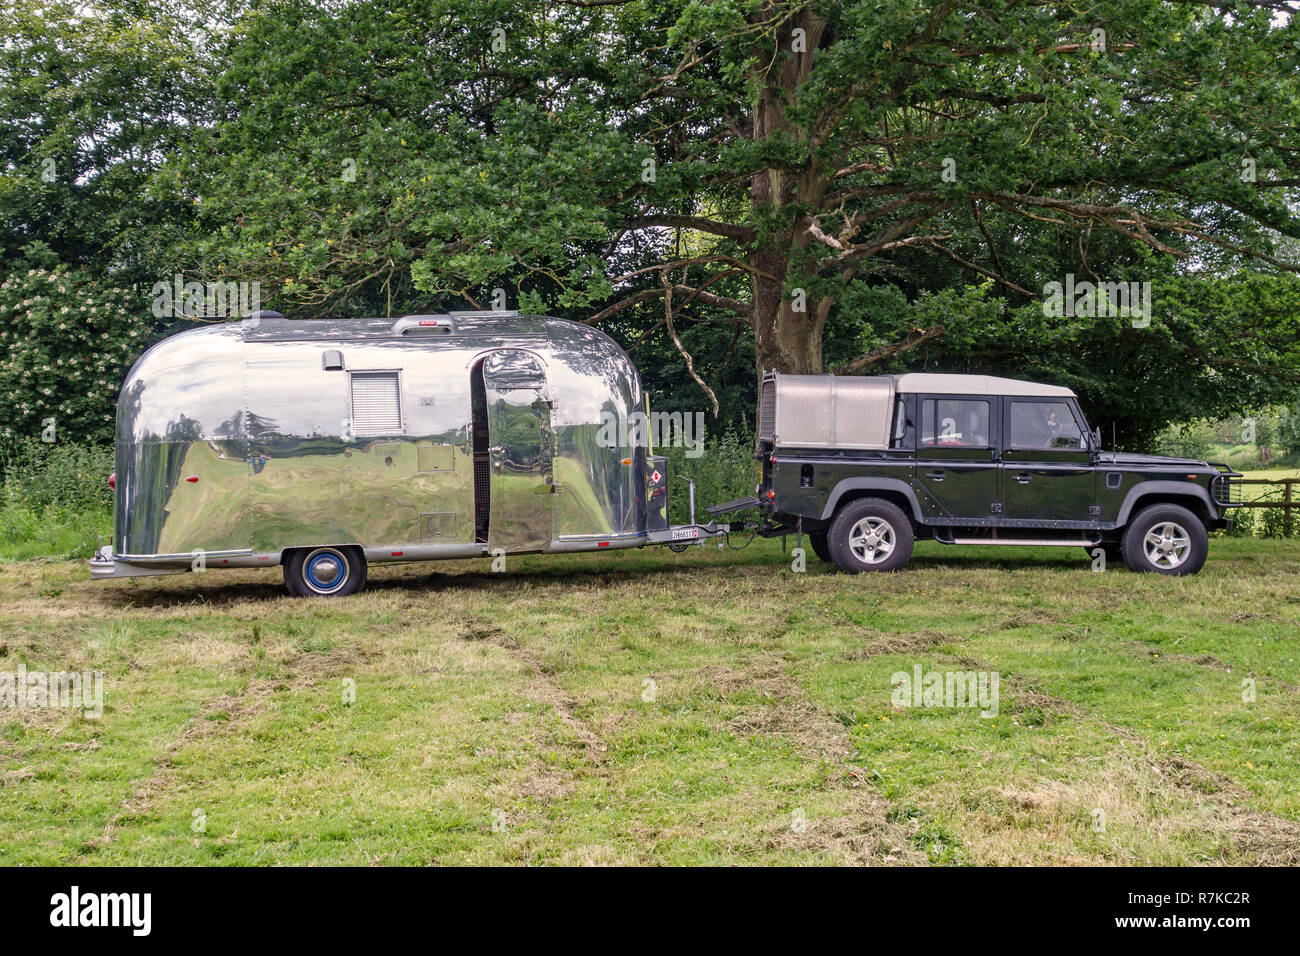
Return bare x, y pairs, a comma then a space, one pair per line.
325, 572
1166, 539
870, 534
820, 546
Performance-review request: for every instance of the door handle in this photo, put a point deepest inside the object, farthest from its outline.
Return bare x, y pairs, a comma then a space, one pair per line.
935, 475
1023, 478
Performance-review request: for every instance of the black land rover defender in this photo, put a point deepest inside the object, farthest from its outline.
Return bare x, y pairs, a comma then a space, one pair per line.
864, 466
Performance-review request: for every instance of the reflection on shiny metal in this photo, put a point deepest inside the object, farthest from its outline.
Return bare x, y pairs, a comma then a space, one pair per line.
265, 423
519, 436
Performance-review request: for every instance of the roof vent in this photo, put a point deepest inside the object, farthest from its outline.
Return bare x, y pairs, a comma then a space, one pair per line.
485, 314
264, 314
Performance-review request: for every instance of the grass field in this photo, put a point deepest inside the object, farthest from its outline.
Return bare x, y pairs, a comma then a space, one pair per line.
646, 707
1273, 473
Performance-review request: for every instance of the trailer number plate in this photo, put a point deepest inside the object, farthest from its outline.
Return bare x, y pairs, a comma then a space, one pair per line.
685, 533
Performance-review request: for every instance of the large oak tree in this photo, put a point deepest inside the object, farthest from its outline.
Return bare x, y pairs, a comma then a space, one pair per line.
744, 156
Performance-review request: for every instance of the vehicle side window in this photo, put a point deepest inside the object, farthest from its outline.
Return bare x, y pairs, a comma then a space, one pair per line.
900, 424
1044, 425
954, 423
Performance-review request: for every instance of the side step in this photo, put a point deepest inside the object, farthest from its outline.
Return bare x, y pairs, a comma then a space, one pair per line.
1042, 542
740, 504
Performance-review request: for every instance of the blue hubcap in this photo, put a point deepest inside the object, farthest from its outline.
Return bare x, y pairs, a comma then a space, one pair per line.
325, 571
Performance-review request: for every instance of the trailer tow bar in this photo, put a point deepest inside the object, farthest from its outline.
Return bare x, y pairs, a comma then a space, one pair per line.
680, 537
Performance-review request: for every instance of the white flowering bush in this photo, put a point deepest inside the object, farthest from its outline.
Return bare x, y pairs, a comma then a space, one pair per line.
67, 340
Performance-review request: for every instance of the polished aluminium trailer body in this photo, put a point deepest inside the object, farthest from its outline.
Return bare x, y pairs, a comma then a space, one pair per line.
426, 437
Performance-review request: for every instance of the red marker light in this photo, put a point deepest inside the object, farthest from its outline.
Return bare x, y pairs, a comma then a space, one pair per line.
192, 479
397, 554
602, 544
112, 482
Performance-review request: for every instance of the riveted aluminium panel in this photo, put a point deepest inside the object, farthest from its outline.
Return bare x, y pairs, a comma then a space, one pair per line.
831, 411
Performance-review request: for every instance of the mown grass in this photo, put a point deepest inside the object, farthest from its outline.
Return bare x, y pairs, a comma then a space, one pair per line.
645, 707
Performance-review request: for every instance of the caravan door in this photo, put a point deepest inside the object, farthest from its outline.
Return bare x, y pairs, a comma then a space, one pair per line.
520, 483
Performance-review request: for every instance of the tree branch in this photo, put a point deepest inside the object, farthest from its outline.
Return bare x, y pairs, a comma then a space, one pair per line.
915, 337
1000, 279
708, 298
690, 363
727, 229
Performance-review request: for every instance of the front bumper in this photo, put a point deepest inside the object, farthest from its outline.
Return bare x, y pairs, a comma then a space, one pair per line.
1225, 487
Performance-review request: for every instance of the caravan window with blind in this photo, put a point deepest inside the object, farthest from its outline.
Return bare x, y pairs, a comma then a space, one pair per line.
376, 403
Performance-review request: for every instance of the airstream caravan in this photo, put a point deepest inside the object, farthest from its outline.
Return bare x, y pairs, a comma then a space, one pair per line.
328, 445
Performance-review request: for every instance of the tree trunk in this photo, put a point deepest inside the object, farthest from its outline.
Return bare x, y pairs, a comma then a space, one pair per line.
787, 327
786, 340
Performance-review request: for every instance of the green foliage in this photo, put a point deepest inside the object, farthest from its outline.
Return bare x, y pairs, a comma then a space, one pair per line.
1215, 347
1288, 429
726, 471
54, 499
1273, 523
1189, 440
363, 159
454, 147
62, 475
93, 97
1243, 523
26, 534
1258, 439
67, 340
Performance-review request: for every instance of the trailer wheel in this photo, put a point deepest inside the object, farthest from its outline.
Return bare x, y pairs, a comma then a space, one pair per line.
821, 547
870, 534
325, 572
